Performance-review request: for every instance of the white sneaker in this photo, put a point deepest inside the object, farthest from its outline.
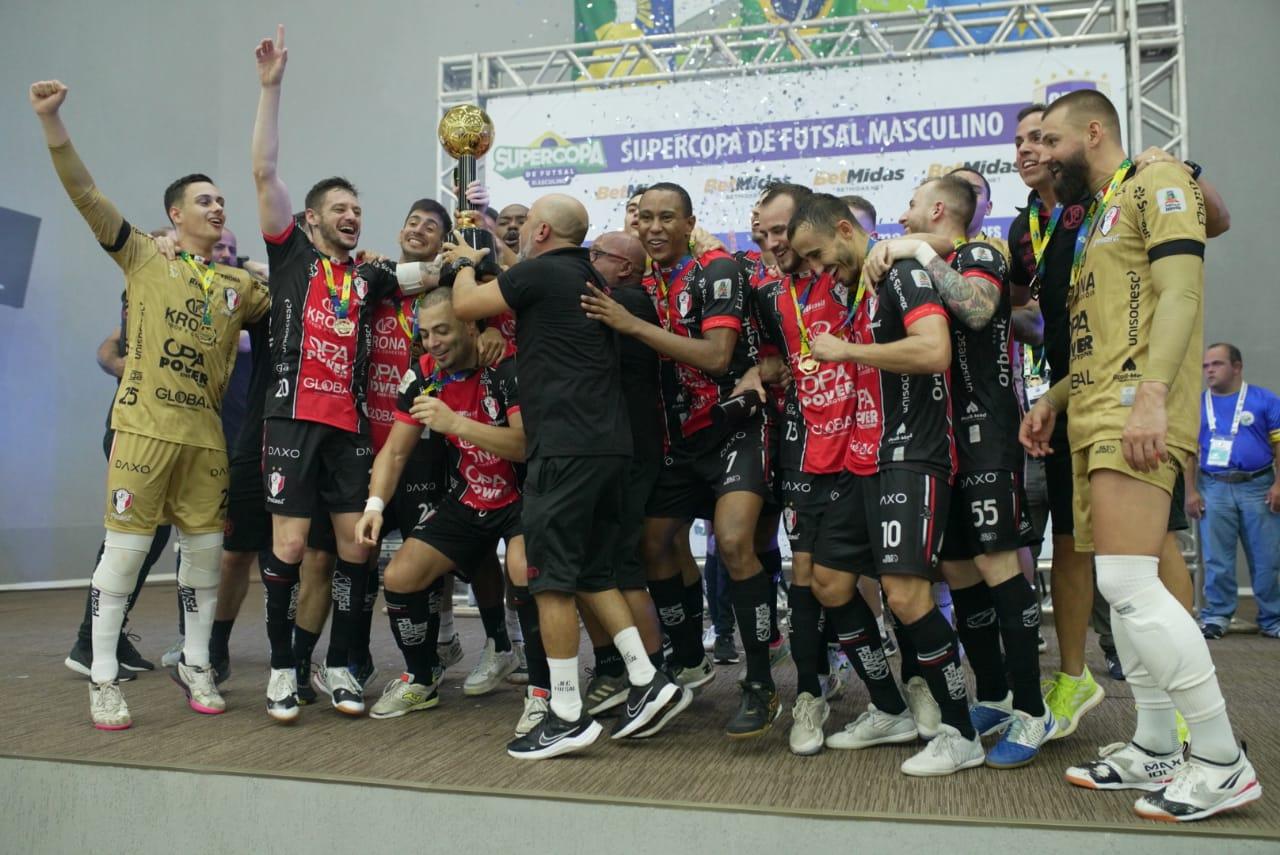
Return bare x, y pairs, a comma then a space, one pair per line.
808, 716
401, 697
492, 668
839, 671
709, 639
173, 655
1200, 789
450, 652
946, 753
924, 709
282, 694
1125, 766
536, 702
520, 676
990, 717
697, 675
107, 707
875, 727
202, 695
344, 690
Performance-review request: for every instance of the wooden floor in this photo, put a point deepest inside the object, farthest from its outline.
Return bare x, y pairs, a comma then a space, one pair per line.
458, 746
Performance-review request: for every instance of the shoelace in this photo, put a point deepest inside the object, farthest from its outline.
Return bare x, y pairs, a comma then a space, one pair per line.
1185, 782
1022, 731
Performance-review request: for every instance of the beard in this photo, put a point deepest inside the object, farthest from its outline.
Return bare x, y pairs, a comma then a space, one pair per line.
1072, 181
512, 240
330, 235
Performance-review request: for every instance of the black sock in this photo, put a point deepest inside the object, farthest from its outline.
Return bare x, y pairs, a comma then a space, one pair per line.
828, 638
304, 644
348, 601
771, 562
360, 652
494, 619
939, 660
909, 666
1020, 630
979, 631
280, 582
220, 639
411, 617
609, 661
751, 607
693, 606
669, 599
855, 627
657, 660
534, 653
807, 647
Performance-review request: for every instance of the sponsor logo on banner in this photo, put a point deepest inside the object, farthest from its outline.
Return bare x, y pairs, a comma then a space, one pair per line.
551, 160
743, 183
982, 167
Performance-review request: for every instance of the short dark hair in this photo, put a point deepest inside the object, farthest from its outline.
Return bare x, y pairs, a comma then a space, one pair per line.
686, 203
315, 196
175, 191
1092, 104
959, 196
1237, 358
861, 204
431, 206
820, 212
797, 193
443, 294
1036, 107
639, 191
985, 183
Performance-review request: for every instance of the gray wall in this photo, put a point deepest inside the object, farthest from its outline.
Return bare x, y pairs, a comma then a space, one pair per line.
160, 89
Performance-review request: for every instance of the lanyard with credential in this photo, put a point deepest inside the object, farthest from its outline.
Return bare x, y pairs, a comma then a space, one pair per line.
205, 278
1099, 205
343, 325
1235, 420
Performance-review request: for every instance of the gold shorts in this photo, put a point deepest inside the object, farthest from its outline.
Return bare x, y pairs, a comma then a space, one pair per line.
1108, 454
151, 482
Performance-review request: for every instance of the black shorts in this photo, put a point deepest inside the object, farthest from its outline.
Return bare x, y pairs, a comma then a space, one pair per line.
573, 514
419, 492
805, 499
248, 525
903, 514
465, 535
694, 476
988, 515
305, 461
641, 477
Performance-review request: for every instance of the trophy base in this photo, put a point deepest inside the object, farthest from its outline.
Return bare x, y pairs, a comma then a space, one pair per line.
487, 267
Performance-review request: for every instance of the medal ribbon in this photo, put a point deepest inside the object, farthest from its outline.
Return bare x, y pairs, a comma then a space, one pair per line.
341, 306
436, 381
1086, 228
1031, 368
1039, 242
205, 278
409, 331
862, 287
800, 306
678, 272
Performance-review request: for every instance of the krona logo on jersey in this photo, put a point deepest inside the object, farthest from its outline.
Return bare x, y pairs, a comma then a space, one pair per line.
550, 160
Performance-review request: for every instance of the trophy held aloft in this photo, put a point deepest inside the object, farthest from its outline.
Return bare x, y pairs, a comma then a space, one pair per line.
466, 132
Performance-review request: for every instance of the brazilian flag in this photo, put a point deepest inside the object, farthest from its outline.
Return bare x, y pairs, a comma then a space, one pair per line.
756, 12
607, 20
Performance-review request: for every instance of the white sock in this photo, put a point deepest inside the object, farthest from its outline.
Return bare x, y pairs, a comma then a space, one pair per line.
513, 626
108, 620
1157, 725
640, 670
198, 606
566, 700
1168, 644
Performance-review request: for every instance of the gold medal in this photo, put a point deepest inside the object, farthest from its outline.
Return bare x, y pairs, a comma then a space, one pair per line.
344, 327
206, 334
808, 365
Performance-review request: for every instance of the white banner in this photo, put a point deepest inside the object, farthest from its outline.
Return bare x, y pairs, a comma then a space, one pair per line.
876, 132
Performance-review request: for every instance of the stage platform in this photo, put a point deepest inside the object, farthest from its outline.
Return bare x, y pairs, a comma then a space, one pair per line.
691, 782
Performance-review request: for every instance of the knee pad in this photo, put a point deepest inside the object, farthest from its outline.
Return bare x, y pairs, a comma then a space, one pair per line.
201, 562
123, 555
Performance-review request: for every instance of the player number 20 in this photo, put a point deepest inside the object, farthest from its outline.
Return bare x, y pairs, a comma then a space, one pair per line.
985, 512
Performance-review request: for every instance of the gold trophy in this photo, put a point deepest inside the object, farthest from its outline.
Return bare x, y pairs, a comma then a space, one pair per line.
466, 132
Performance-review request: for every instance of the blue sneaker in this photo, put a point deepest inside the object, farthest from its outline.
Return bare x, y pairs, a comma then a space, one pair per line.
1021, 742
990, 717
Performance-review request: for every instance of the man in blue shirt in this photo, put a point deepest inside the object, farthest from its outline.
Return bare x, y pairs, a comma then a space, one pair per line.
1239, 495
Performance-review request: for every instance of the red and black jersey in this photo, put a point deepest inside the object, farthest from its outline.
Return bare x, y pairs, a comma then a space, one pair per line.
987, 412
693, 298
505, 323
477, 478
818, 408
389, 357
901, 421
319, 375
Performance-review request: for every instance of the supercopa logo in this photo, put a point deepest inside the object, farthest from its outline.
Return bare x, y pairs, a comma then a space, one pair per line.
550, 160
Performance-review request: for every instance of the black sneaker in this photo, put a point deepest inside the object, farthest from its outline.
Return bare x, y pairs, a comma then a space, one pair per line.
1113, 665
364, 673
725, 651
128, 655
674, 707
1212, 631
306, 692
221, 668
756, 712
644, 703
554, 736
80, 660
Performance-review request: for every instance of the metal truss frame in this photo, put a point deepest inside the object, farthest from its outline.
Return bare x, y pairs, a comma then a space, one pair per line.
1152, 32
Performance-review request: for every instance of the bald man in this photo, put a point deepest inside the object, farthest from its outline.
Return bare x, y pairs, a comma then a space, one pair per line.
579, 448
1132, 399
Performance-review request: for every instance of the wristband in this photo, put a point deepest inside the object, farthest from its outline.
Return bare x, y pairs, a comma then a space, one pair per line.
925, 254
409, 272
373, 503
1196, 169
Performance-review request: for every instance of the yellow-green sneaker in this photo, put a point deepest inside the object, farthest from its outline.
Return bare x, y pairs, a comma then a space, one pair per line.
1069, 699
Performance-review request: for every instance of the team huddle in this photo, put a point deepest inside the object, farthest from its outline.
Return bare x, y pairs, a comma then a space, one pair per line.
583, 406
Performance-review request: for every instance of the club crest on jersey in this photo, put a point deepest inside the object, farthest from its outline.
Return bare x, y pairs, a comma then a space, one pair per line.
232, 296
121, 500
490, 405
922, 279
1109, 219
1246, 418
684, 302
361, 286
722, 289
789, 519
1172, 200
841, 292
982, 253
275, 483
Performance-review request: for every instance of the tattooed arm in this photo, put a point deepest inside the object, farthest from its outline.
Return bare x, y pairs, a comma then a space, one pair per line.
972, 299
